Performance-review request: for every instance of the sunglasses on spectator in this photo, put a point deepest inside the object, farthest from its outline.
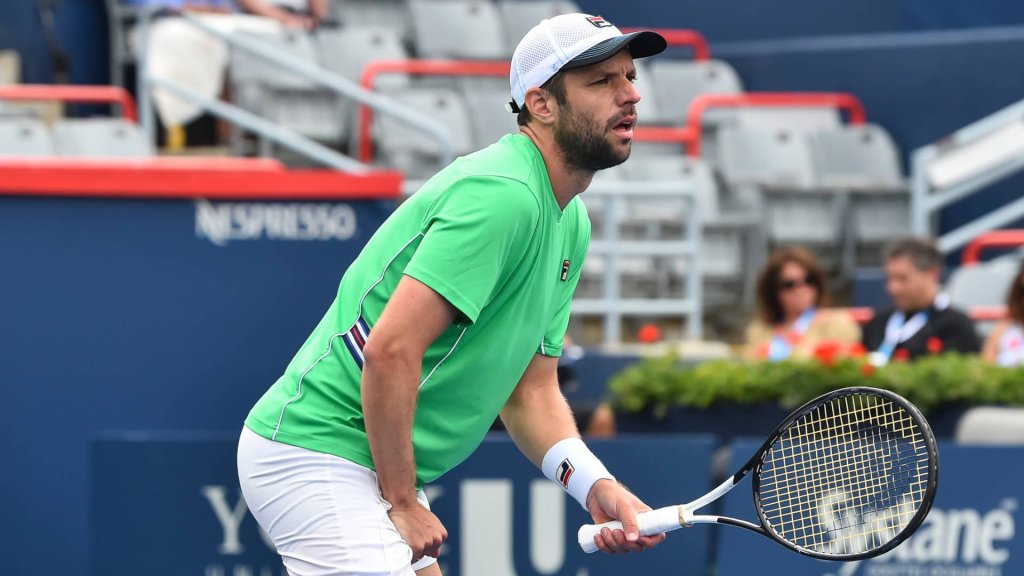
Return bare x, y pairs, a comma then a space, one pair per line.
792, 283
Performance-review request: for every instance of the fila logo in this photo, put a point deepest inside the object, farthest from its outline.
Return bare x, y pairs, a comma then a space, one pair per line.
599, 22
565, 270
564, 472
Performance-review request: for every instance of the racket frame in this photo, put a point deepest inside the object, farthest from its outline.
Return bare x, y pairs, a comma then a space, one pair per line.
674, 517
754, 465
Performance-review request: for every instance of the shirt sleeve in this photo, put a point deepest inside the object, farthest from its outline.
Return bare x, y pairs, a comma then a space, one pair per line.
476, 232
554, 337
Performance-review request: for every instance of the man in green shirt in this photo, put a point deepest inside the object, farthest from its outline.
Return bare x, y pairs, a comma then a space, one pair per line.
454, 312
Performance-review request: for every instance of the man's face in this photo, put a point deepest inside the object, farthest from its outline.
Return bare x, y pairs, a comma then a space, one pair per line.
908, 287
594, 128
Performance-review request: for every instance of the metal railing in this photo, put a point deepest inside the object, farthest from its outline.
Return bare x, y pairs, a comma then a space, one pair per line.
612, 306
273, 132
971, 159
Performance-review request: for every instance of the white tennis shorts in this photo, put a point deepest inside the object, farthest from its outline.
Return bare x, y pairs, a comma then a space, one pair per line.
324, 514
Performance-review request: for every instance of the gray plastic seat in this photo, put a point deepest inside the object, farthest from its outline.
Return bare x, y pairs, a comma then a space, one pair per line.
100, 138
346, 51
25, 137
857, 157
457, 29
678, 82
798, 120
767, 158
247, 68
991, 425
983, 284
412, 151
283, 97
486, 98
519, 17
392, 14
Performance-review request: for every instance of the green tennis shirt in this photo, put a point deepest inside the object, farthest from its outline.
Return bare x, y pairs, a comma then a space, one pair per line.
486, 234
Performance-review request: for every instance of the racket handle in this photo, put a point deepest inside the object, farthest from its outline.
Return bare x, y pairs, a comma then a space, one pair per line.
651, 523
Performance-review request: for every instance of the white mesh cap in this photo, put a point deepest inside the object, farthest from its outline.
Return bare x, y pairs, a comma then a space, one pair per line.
571, 41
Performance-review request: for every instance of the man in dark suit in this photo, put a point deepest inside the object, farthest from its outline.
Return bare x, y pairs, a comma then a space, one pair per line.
921, 321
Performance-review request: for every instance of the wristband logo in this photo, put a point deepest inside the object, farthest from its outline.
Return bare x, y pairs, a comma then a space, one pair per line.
564, 472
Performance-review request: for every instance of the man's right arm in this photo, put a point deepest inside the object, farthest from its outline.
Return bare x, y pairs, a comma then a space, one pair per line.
413, 318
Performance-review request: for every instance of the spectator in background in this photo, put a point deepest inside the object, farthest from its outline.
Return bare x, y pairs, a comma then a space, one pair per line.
1005, 345
921, 321
790, 321
304, 14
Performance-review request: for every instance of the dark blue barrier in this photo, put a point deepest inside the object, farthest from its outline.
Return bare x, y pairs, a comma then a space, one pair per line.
169, 505
144, 315
971, 530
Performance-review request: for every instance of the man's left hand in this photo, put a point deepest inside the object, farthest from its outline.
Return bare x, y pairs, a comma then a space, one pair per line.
609, 500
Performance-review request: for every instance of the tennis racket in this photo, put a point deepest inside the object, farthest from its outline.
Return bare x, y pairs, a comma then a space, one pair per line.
849, 475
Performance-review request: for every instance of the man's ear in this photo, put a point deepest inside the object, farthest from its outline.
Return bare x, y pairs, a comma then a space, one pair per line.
541, 104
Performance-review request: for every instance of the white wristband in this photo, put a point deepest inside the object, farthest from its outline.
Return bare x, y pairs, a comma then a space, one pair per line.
570, 463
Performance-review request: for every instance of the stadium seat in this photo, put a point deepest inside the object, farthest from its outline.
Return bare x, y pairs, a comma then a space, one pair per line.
393, 14
457, 29
677, 82
346, 51
24, 137
100, 138
286, 98
765, 157
857, 157
412, 151
797, 120
486, 98
991, 425
984, 284
519, 17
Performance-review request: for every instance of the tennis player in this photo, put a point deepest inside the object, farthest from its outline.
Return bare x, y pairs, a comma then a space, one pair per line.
455, 311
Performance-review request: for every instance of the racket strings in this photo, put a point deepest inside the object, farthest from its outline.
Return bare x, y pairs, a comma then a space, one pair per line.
846, 477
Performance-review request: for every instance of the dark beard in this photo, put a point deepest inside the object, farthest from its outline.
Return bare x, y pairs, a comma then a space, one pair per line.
583, 147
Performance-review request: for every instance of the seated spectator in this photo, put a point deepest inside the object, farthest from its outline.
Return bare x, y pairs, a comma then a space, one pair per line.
921, 321
1005, 344
791, 322
304, 14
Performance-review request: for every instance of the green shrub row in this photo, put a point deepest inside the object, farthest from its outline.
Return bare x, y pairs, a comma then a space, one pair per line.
658, 383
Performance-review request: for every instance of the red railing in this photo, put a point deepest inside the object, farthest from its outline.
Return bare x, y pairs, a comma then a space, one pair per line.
188, 177
704, 102
422, 68
79, 94
994, 239
677, 37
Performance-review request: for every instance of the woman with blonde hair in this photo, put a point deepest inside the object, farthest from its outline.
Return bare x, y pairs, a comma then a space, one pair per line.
1005, 344
791, 321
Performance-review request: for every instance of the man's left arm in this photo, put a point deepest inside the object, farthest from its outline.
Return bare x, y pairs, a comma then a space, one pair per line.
540, 422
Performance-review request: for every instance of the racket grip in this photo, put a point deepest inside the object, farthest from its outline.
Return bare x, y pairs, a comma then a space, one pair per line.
651, 523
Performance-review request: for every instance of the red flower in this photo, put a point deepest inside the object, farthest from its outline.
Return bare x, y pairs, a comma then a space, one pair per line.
827, 352
868, 369
934, 345
858, 350
901, 355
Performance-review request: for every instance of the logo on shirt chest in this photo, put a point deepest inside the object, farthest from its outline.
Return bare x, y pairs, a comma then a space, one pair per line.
565, 271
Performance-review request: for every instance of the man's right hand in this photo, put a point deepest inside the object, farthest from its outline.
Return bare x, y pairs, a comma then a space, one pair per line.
420, 529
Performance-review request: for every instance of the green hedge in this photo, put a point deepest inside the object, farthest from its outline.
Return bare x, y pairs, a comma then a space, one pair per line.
931, 382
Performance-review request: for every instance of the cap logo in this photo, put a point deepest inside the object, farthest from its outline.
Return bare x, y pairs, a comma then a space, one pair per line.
599, 22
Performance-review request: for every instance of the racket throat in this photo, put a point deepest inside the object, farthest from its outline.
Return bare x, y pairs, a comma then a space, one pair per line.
687, 516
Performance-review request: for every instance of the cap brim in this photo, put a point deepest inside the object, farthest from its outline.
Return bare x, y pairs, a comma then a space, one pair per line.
641, 45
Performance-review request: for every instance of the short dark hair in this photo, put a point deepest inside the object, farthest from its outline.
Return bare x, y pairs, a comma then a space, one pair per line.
768, 284
556, 86
922, 252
